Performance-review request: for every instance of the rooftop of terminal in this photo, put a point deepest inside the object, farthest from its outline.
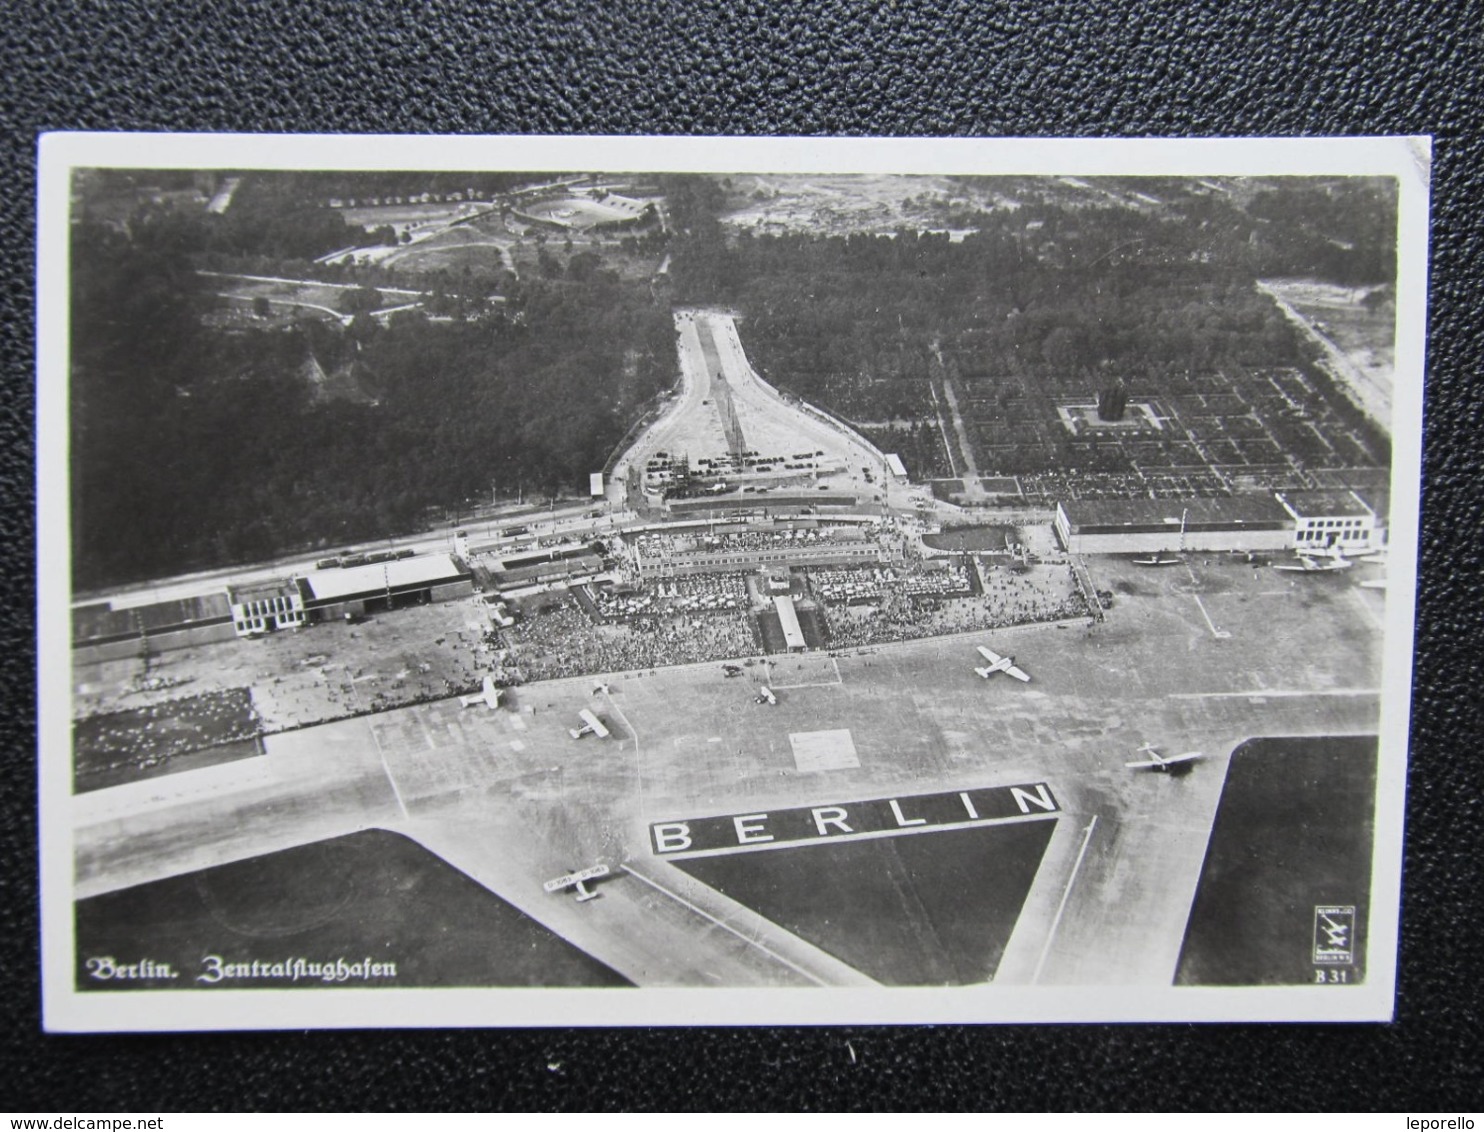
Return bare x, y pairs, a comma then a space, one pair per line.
1333, 503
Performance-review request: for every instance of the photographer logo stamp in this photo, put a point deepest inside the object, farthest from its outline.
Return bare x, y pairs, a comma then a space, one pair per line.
1334, 934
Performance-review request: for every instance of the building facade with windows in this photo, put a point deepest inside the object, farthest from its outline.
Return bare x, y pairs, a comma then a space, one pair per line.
265, 607
1330, 518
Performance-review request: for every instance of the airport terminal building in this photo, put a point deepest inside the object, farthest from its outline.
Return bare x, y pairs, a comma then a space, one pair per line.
1330, 518
265, 607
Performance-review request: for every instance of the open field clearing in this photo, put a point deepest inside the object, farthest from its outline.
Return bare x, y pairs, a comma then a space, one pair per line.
1356, 335
411, 216
581, 213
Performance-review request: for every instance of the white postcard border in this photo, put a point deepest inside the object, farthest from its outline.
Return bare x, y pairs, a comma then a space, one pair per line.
66, 1009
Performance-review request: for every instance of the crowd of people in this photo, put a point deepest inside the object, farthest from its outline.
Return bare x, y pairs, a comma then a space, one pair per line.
564, 641
870, 583
145, 736
695, 593
616, 605
874, 625
655, 545
836, 586
1009, 598
702, 592
949, 582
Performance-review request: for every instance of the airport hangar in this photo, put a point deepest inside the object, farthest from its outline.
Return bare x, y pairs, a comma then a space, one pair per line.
1292, 520
330, 595
112, 630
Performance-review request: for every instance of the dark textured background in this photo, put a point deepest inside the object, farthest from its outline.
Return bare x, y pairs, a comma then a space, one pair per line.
1301, 67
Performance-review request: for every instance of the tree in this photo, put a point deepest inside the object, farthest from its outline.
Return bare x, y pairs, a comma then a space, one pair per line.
361, 300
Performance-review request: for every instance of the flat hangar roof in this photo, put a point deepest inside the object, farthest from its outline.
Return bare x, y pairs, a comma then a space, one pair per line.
1089, 515
398, 574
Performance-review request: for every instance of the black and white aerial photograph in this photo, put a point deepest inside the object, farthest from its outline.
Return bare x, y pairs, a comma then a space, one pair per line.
808, 581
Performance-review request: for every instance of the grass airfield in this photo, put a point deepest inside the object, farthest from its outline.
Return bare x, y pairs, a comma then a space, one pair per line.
1201, 656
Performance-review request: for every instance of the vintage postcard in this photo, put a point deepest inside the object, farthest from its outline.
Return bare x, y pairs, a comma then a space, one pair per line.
551, 581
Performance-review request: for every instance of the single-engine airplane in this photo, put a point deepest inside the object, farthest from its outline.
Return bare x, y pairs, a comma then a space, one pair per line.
591, 725
765, 696
1325, 561
1159, 558
578, 880
1161, 763
998, 663
1316, 560
489, 695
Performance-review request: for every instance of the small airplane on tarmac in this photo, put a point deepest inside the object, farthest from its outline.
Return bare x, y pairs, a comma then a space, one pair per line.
1325, 561
998, 663
1161, 763
489, 695
765, 696
591, 725
578, 880
1320, 560
1160, 558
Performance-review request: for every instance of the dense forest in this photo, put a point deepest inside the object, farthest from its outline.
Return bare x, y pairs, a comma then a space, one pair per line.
193, 446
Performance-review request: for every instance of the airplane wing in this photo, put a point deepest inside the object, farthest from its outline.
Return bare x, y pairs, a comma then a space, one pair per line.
567, 880
1188, 756
1019, 674
990, 655
1148, 765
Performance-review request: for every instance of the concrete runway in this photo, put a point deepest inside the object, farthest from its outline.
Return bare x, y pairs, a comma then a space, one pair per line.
1192, 657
